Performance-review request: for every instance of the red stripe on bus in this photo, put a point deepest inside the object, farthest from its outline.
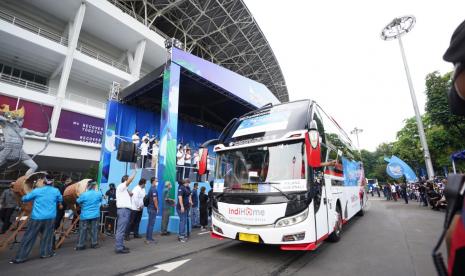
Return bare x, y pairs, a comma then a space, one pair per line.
216, 236
334, 173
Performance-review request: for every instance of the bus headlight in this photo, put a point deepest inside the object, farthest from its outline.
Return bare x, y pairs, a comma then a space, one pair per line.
219, 217
292, 220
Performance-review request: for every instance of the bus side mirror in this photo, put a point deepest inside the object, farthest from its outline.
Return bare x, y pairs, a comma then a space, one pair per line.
203, 152
313, 146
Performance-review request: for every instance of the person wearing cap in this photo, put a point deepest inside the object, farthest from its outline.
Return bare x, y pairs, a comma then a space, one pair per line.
456, 54
455, 236
42, 219
7, 206
90, 202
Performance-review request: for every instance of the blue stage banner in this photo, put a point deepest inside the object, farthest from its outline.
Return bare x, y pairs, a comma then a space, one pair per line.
398, 168
253, 92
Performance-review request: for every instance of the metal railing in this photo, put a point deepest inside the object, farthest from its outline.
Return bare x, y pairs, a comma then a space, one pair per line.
33, 28
81, 99
27, 84
88, 51
82, 47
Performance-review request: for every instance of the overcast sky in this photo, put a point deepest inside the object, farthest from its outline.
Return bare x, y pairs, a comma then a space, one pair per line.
331, 52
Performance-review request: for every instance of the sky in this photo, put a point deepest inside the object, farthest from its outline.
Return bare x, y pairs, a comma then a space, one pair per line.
331, 52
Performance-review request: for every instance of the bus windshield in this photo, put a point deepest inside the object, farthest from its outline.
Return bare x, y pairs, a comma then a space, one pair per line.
278, 167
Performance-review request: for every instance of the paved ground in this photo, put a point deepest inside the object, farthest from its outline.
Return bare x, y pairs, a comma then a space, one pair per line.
391, 239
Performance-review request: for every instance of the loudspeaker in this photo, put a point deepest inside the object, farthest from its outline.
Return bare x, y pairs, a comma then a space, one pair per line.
127, 152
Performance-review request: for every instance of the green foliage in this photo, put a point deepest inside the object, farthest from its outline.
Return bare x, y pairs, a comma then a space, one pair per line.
445, 134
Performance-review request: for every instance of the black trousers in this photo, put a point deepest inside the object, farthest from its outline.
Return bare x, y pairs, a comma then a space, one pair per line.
134, 222
5, 216
203, 216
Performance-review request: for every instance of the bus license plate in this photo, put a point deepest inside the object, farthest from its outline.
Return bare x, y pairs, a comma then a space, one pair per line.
249, 237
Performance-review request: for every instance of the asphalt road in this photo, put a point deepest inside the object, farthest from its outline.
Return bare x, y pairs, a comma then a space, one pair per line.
391, 239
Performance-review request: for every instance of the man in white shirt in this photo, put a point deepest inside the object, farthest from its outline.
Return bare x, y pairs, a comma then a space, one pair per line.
144, 151
137, 206
123, 204
135, 138
155, 150
146, 137
180, 164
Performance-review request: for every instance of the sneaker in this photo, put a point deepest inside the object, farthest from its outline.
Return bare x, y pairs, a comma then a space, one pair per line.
127, 248
14, 261
79, 248
150, 242
137, 237
48, 256
127, 238
95, 246
122, 251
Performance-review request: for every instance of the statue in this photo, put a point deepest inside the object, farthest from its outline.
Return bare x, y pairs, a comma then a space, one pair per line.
11, 122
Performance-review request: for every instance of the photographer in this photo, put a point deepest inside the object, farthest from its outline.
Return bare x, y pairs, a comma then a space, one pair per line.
455, 216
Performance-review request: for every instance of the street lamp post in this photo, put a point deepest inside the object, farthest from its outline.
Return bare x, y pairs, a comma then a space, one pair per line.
356, 131
394, 30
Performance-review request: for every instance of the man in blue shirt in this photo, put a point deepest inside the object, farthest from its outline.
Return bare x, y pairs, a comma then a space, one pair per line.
182, 208
90, 202
152, 210
195, 216
42, 219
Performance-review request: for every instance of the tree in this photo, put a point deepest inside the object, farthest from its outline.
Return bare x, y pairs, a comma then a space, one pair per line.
436, 102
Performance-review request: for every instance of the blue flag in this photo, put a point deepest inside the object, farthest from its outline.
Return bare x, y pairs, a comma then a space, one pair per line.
398, 168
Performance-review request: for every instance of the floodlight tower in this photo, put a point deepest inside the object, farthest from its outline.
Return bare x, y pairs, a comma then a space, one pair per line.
394, 30
356, 131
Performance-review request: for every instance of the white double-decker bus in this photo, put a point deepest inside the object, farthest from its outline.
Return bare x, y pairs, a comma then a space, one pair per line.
285, 175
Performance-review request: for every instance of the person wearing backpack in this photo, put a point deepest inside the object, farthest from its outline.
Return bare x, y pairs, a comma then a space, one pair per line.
151, 202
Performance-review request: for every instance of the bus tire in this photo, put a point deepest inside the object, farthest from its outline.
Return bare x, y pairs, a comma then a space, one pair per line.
361, 213
336, 234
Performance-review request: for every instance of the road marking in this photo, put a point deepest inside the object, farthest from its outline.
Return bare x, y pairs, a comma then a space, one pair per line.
168, 267
203, 233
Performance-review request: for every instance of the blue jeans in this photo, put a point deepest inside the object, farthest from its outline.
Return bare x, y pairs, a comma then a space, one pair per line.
151, 222
182, 222
195, 216
90, 225
45, 228
124, 215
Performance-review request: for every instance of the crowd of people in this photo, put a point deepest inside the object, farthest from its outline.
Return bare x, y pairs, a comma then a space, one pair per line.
187, 158
427, 193
48, 210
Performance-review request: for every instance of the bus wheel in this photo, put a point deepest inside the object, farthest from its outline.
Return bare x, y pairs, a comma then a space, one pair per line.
336, 235
361, 212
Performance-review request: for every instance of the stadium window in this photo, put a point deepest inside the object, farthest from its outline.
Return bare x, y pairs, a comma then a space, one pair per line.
16, 73
7, 70
27, 76
40, 79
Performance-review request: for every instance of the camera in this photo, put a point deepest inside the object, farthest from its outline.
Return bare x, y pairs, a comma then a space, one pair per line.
454, 193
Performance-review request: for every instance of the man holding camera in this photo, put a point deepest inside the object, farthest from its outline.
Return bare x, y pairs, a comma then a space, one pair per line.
456, 232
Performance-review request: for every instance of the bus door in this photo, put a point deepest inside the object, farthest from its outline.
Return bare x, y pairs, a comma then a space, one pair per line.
321, 209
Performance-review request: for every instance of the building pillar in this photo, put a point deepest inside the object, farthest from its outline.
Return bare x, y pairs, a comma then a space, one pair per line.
135, 63
169, 128
73, 36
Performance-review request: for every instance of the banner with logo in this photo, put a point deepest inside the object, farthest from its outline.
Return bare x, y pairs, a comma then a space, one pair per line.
80, 127
353, 173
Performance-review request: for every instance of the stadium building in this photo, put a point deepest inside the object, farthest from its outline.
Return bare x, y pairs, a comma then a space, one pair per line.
60, 59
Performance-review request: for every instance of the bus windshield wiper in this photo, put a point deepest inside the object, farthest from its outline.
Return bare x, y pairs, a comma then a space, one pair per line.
272, 185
